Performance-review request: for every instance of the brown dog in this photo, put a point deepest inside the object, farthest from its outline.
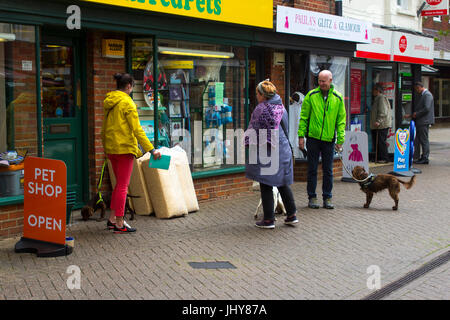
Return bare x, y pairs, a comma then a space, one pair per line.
96, 203
93, 205
380, 182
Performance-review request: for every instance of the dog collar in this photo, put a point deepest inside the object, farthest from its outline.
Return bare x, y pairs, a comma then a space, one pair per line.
368, 181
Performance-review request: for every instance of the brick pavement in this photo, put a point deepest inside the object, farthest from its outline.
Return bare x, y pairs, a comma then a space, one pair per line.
325, 257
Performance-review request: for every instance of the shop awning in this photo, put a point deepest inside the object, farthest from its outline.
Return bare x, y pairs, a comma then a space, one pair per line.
429, 69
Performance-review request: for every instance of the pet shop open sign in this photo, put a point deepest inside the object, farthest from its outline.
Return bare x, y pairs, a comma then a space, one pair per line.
355, 152
401, 154
45, 200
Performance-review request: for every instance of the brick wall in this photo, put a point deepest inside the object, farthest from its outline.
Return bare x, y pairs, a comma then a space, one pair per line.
221, 186
11, 220
429, 23
301, 171
324, 6
100, 72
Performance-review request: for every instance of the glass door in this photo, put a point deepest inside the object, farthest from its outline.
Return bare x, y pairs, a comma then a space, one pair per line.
61, 108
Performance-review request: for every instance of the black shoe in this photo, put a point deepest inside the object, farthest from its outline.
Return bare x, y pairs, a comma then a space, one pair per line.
422, 161
124, 229
417, 160
110, 225
290, 220
265, 224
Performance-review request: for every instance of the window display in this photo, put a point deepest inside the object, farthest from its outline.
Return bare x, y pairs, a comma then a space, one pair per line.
200, 94
18, 125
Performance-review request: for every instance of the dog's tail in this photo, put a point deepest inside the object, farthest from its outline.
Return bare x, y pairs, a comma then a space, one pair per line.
409, 184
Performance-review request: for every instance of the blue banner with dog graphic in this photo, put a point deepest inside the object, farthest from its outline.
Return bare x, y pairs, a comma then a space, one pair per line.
402, 149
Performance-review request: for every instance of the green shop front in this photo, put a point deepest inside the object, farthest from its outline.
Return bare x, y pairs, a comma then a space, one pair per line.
57, 61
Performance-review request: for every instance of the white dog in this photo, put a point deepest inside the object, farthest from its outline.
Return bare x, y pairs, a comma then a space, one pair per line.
278, 205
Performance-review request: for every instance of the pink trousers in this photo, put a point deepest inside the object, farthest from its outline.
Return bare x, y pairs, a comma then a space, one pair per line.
122, 166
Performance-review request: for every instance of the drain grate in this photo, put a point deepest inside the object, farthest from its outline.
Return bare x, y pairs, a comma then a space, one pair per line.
411, 276
212, 265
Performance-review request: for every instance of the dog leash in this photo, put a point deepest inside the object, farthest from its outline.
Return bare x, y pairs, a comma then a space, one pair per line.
339, 152
100, 199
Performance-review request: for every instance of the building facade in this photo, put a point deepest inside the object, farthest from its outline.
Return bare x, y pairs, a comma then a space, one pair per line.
54, 76
438, 78
396, 57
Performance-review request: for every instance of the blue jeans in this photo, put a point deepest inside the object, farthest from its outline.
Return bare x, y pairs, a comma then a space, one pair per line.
315, 148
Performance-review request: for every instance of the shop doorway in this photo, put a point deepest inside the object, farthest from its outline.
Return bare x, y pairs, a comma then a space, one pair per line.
384, 74
62, 109
256, 75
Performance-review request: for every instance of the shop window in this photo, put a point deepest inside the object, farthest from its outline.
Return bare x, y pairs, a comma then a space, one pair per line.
18, 125
358, 104
445, 101
339, 67
201, 91
403, 4
298, 88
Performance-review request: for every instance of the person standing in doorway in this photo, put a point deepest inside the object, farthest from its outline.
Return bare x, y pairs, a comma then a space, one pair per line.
423, 117
322, 122
380, 122
121, 133
270, 117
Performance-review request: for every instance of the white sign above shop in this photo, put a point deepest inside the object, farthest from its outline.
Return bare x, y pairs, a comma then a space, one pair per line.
316, 24
397, 46
435, 8
379, 48
412, 48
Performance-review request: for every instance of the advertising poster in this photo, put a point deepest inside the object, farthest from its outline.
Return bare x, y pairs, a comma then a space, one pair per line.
401, 154
355, 152
356, 81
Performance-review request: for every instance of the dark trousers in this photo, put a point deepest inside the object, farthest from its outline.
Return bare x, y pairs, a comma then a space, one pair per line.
315, 148
382, 145
268, 204
421, 140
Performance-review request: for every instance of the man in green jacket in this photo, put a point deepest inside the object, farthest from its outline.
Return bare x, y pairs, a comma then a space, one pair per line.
322, 121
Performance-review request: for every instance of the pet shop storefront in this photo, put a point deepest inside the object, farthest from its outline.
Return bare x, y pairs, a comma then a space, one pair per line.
57, 61
395, 59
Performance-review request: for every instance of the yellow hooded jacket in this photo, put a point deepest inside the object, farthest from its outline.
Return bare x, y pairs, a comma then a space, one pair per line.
121, 128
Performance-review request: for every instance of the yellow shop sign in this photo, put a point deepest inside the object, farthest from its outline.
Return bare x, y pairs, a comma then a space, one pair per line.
112, 48
177, 64
258, 13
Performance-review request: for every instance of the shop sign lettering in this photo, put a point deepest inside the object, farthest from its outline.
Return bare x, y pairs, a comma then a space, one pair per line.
249, 12
316, 24
45, 200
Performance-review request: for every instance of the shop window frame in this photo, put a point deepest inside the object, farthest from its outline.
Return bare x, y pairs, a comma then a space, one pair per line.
11, 200
155, 37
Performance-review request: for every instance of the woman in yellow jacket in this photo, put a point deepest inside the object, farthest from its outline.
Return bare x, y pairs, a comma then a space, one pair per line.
121, 133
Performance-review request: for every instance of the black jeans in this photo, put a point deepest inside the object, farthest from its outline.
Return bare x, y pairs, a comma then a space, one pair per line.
382, 146
314, 149
268, 204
